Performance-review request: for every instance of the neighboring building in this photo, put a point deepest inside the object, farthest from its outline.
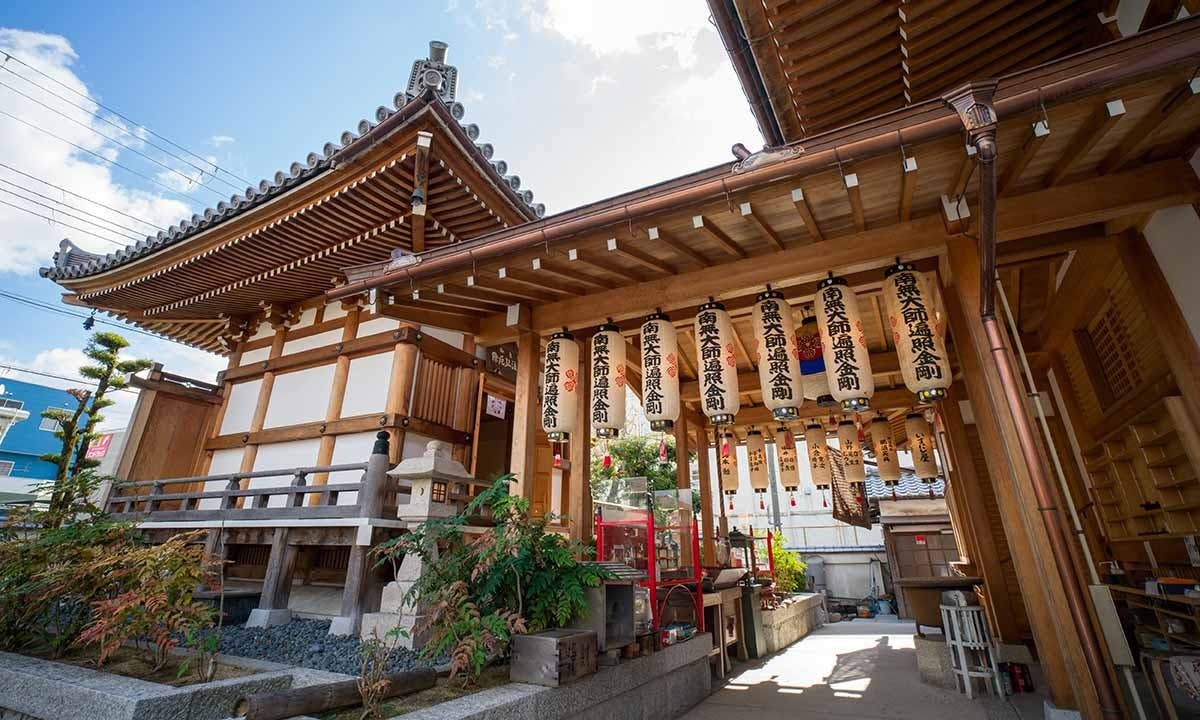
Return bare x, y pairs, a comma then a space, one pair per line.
25, 435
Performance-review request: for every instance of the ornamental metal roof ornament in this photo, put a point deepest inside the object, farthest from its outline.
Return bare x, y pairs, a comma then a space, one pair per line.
432, 73
767, 156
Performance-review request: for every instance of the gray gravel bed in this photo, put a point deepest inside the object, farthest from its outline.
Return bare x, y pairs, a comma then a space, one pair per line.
307, 644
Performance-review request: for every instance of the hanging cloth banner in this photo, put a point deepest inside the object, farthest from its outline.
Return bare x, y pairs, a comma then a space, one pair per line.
812, 363
778, 362
918, 331
848, 507
717, 359
660, 372
608, 381
844, 345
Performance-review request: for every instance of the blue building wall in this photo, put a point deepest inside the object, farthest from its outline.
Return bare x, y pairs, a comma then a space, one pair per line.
25, 442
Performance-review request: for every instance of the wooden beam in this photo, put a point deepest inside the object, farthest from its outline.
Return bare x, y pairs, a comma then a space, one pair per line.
908, 187
1038, 133
767, 232
1081, 291
553, 267
420, 185
706, 227
683, 471
580, 257
516, 292
1143, 131
708, 547
806, 214
525, 412
679, 246
579, 500
628, 251
1103, 119
854, 195
423, 316
562, 286
965, 168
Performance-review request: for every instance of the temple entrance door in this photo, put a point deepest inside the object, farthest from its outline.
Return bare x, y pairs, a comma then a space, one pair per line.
492, 453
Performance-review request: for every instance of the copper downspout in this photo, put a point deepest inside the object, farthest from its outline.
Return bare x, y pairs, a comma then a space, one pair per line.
1047, 501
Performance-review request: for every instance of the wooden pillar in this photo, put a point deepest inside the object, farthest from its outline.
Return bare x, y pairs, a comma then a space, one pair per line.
400, 389
1059, 645
525, 412
1155, 295
337, 396
359, 576
579, 504
421, 186
683, 471
277, 581
708, 546
250, 453
204, 462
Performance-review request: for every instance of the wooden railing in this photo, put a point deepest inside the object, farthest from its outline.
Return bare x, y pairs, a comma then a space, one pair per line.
376, 494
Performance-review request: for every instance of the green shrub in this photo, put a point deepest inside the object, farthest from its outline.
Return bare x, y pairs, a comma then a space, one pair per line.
789, 568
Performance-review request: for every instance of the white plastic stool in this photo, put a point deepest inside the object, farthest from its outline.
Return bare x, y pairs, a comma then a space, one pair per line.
972, 654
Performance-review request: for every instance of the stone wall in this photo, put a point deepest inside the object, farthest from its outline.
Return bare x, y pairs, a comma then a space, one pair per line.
797, 617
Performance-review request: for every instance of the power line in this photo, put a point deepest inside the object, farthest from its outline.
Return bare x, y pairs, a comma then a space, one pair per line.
66, 204
135, 238
156, 161
60, 222
77, 381
81, 197
119, 126
218, 168
42, 305
101, 157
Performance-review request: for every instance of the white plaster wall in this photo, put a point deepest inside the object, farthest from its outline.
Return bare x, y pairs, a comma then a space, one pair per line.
328, 337
333, 311
1174, 237
307, 317
264, 330
223, 461
450, 337
367, 384
282, 456
377, 325
351, 449
256, 355
300, 397
414, 445
243, 397
1129, 15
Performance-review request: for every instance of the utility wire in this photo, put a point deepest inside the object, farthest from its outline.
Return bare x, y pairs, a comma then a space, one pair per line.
81, 197
217, 168
51, 208
141, 233
78, 381
191, 180
103, 158
60, 222
123, 128
42, 305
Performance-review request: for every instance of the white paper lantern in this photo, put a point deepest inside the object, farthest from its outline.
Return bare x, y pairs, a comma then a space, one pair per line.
852, 457
918, 331
778, 359
921, 445
844, 345
715, 355
756, 462
608, 381
788, 461
884, 447
728, 465
818, 456
560, 386
660, 372
812, 363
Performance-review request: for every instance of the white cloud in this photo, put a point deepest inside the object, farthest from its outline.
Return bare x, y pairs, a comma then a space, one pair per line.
496, 62
623, 26
28, 242
219, 140
600, 80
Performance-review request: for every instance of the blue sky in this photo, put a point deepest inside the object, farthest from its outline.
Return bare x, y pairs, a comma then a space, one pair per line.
584, 100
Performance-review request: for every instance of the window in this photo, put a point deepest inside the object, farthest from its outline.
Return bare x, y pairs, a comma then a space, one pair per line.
6, 467
49, 425
11, 404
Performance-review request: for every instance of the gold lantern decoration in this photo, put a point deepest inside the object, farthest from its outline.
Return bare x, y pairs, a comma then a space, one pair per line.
660, 372
728, 465
844, 345
812, 363
560, 389
884, 447
918, 331
852, 457
756, 464
778, 361
921, 445
788, 461
608, 381
818, 459
715, 355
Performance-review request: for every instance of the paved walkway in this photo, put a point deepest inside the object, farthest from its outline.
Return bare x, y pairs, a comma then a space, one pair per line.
857, 669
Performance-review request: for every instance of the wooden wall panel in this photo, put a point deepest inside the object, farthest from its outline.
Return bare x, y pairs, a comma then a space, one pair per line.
173, 440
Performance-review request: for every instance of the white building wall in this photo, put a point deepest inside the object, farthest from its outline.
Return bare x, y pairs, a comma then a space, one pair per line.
1174, 237
328, 337
280, 456
243, 398
299, 397
223, 461
367, 384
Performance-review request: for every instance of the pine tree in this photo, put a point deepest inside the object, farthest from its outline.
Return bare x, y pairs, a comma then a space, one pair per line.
110, 373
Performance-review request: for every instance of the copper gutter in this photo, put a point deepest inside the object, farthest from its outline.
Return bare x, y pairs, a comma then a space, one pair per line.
1018, 93
984, 139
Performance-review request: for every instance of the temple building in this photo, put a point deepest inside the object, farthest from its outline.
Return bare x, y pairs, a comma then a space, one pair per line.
971, 236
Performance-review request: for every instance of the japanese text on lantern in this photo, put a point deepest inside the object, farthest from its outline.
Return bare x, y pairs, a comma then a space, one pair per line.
841, 339
712, 355
927, 364
600, 377
652, 369
550, 394
775, 350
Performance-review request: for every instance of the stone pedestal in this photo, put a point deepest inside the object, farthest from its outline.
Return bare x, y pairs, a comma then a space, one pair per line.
395, 612
260, 617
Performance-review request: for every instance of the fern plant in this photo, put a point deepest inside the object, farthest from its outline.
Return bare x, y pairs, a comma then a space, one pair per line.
484, 587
